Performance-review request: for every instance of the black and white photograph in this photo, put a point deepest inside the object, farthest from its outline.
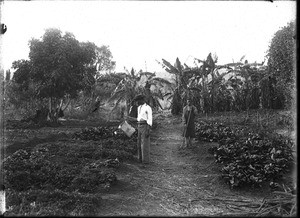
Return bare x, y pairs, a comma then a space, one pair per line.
148, 108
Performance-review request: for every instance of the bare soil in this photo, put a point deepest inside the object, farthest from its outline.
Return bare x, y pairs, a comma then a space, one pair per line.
176, 182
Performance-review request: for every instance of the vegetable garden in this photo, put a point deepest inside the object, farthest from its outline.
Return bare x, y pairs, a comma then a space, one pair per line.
60, 176
72, 174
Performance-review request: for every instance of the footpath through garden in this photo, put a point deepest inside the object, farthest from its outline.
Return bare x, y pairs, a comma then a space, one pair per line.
175, 183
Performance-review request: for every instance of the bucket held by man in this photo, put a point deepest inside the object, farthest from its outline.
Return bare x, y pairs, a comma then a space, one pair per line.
127, 128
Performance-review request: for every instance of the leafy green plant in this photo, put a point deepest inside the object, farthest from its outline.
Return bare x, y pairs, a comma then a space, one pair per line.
254, 159
180, 90
24, 170
248, 157
215, 132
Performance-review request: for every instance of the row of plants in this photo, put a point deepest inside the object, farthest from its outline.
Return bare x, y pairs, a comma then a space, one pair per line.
61, 178
240, 85
102, 132
248, 157
215, 131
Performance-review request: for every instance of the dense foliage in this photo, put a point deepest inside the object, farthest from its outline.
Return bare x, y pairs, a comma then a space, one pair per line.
239, 85
215, 131
281, 62
59, 67
254, 160
233, 86
180, 90
248, 158
134, 83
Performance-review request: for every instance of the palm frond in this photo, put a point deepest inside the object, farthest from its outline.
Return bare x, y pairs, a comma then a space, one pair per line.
242, 58
186, 67
178, 65
199, 61
172, 69
209, 61
132, 72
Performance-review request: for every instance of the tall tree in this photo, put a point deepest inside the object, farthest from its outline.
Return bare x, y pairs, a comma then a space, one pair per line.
103, 63
59, 65
20, 91
281, 62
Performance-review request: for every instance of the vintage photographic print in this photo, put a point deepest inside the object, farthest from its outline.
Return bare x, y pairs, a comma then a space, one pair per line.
148, 108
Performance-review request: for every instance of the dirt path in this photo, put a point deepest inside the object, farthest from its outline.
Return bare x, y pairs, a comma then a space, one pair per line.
175, 183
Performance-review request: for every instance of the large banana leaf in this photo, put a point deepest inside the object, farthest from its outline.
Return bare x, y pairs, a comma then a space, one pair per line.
178, 66
171, 68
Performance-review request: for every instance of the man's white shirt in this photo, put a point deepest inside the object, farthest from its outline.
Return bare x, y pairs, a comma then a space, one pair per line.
145, 113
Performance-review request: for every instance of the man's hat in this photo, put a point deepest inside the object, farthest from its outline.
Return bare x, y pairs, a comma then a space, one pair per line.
139, 97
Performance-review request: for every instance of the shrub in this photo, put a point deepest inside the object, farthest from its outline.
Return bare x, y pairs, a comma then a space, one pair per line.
215, 132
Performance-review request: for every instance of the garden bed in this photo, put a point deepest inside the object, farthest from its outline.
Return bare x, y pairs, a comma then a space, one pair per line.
77, 172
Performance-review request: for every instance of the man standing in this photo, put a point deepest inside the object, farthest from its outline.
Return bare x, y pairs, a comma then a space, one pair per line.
144, 119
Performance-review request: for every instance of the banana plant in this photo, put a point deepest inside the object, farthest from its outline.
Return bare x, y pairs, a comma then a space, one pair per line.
203, 81
126, 89
145, 83
154, 89
215, 87
180, 91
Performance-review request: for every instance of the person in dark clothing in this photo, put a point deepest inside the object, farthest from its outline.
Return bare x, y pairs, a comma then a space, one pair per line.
96, 105
188, 118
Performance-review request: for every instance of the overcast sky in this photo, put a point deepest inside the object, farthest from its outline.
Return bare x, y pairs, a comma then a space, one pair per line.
138, 33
